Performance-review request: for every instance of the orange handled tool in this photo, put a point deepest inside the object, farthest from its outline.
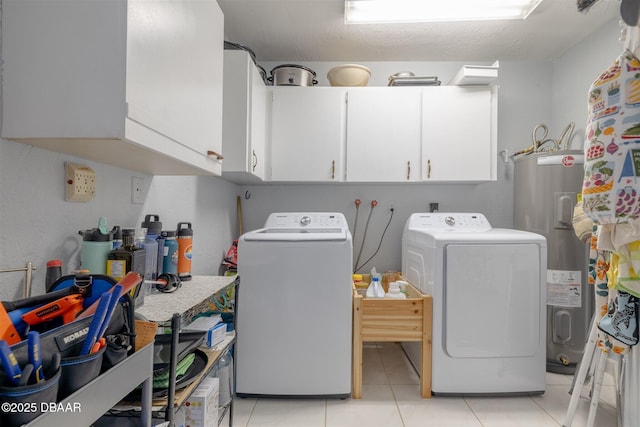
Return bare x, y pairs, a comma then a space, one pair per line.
128, 282
67, 307
8, 332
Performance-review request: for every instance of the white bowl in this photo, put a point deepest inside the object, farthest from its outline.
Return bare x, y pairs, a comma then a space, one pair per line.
349, 75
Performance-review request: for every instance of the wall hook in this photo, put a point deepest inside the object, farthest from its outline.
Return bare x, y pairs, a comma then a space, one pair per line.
505, 155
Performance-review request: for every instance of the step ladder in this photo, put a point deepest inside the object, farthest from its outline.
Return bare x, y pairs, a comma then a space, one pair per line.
594, 363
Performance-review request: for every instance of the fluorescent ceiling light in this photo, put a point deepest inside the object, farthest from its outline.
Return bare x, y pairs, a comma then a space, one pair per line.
388, 11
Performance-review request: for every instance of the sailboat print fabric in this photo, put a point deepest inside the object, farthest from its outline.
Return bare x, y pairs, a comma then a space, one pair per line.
599, 272
611, 187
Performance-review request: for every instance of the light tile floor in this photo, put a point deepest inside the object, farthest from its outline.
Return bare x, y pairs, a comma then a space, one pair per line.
391, 398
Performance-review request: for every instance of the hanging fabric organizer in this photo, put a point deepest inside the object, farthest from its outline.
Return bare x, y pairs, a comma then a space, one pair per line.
611, 198
611, 190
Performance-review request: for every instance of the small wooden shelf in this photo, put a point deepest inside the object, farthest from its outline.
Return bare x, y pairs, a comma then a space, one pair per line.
390, 319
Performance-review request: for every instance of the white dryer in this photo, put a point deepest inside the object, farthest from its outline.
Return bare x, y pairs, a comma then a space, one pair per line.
489, 302
294, 307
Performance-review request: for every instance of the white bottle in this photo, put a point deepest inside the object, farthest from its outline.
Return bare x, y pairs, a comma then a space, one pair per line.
375, 289
394, 291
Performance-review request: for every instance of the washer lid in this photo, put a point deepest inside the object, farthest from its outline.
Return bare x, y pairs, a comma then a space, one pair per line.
311, 220
296, 234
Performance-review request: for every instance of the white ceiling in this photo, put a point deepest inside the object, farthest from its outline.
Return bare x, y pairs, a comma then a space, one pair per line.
314, 30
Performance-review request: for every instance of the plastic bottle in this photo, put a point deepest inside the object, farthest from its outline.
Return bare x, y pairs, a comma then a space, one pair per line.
375, 289
185, 246
170, 255
126, 258
394, 291
117, 236
54, 272
224, 372
96, 244
154, 227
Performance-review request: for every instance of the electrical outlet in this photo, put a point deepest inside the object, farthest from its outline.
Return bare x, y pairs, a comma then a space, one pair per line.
138, 193
80, 182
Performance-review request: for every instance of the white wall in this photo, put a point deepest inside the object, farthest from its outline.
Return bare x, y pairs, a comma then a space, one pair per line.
575, 72
37, 224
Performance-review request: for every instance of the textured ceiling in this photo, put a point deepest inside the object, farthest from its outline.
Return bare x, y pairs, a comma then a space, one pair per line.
314, 30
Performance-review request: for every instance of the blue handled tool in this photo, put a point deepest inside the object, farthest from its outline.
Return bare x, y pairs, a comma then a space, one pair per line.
115, 297
10, 363
35, 359
96, 323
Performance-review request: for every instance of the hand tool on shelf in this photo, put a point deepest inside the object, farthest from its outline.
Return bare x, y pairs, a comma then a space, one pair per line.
15, 310
12, 327
128, 282
35, 358
54, 365
67, 308
81, 285
115, 297
8, 331
26, 373
10, 363
96, 323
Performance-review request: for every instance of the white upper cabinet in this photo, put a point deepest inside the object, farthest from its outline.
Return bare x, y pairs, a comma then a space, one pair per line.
308, 134
244, 125
459, 127
383, 134
132, 83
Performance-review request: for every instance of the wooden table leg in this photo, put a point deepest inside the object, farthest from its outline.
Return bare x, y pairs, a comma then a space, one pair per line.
357, 350
425, 354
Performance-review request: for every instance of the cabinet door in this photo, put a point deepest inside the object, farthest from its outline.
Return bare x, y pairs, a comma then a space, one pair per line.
383, 134
244, 124
174, 84
458, 137
258, 127
307, 133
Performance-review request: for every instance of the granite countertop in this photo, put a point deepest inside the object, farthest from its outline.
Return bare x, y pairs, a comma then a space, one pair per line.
193, 296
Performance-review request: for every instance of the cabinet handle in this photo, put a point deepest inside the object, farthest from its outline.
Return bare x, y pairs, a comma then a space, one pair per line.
214, 154
408, 170
428, 169
255, 161
333, 169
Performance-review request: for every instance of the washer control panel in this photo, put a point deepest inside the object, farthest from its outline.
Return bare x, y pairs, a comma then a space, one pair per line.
306, 220
468, 222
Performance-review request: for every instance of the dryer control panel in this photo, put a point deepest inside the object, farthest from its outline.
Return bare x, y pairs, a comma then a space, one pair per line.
449, 221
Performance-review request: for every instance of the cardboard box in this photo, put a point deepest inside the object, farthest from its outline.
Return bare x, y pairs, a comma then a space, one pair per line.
216, 330
201, 408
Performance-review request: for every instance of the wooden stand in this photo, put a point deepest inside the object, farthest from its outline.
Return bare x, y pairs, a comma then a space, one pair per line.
390, 319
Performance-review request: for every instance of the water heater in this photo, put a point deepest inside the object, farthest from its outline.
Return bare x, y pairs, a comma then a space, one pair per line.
547, 185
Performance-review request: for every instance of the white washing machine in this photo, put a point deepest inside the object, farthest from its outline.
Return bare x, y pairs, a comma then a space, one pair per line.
489, 302
294, 307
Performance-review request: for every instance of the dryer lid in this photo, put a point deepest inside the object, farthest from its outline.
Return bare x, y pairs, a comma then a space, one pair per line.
448, 222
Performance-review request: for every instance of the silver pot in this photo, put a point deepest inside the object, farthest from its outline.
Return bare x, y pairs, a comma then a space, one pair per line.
292, 75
